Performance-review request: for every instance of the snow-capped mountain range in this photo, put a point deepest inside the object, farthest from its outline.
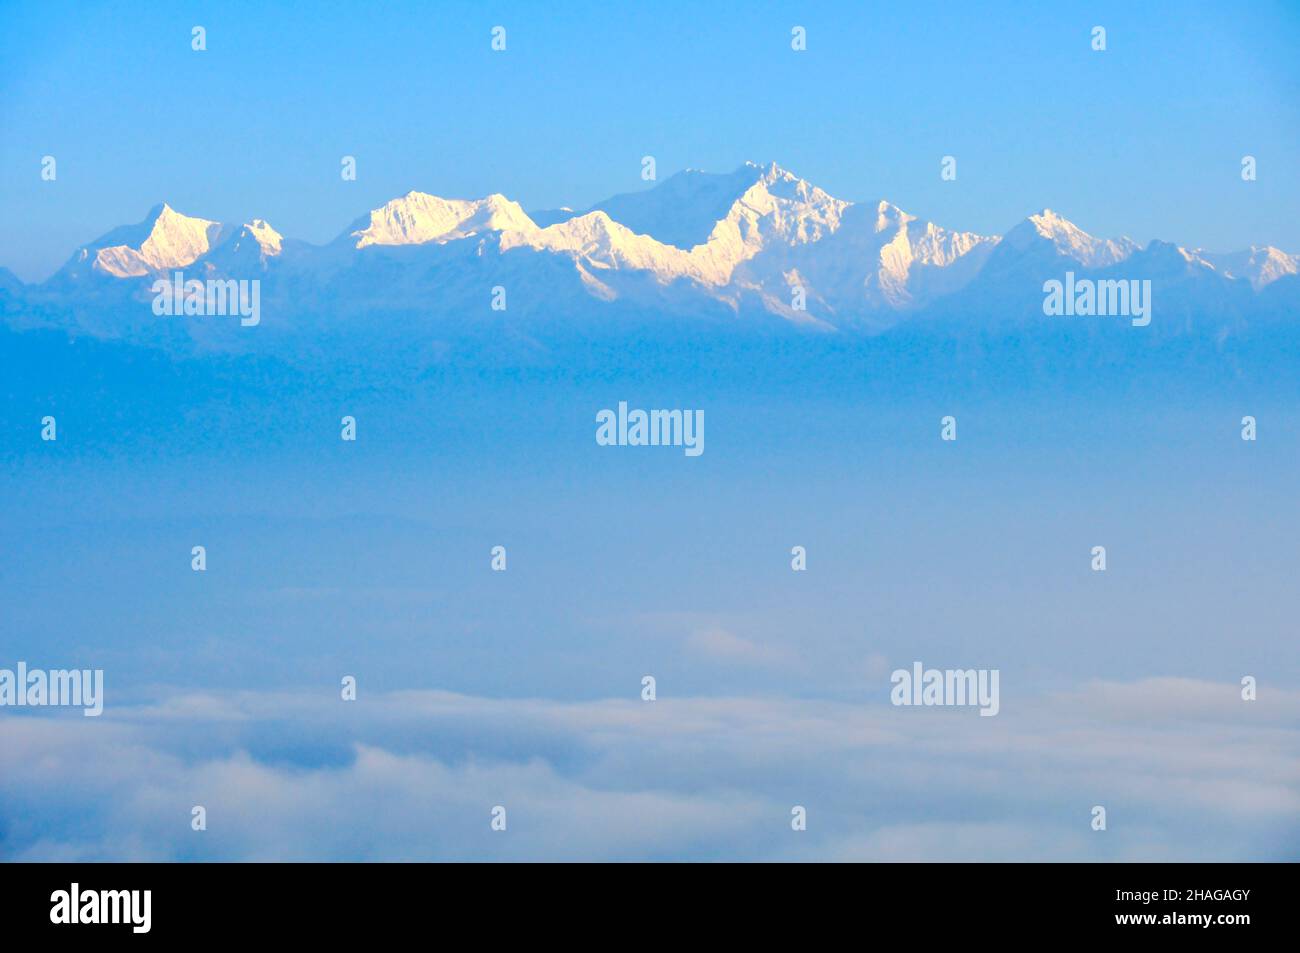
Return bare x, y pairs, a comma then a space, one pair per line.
757, 241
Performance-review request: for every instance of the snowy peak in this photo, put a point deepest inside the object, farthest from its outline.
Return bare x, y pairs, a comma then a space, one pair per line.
246, 247
873, 258
268, 240
417, 218
1260, 265
600, 242
779, 209
1069, 240
756, 238
715, 223
592, 233
784, 184
940, 247
745, 209
789, 208
890, 217
165, 239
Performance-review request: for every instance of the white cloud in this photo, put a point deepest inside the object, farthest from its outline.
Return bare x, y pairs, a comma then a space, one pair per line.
413, 775
722, 644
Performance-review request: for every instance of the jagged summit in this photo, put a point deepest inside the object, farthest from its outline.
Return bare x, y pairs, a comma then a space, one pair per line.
165, 239
1069, 240
758, 237
248, 246
889, 215
1260, 264
683, 209
695, 225
417, 218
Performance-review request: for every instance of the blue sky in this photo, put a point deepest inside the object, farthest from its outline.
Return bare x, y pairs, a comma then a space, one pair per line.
1144, 139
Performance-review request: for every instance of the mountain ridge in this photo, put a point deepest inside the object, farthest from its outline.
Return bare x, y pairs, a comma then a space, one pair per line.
758, 239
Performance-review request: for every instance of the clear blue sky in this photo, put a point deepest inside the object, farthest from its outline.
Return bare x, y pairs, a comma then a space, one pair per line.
1144, 139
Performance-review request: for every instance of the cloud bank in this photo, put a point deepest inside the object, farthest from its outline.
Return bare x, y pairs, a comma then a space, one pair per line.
1185, 769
